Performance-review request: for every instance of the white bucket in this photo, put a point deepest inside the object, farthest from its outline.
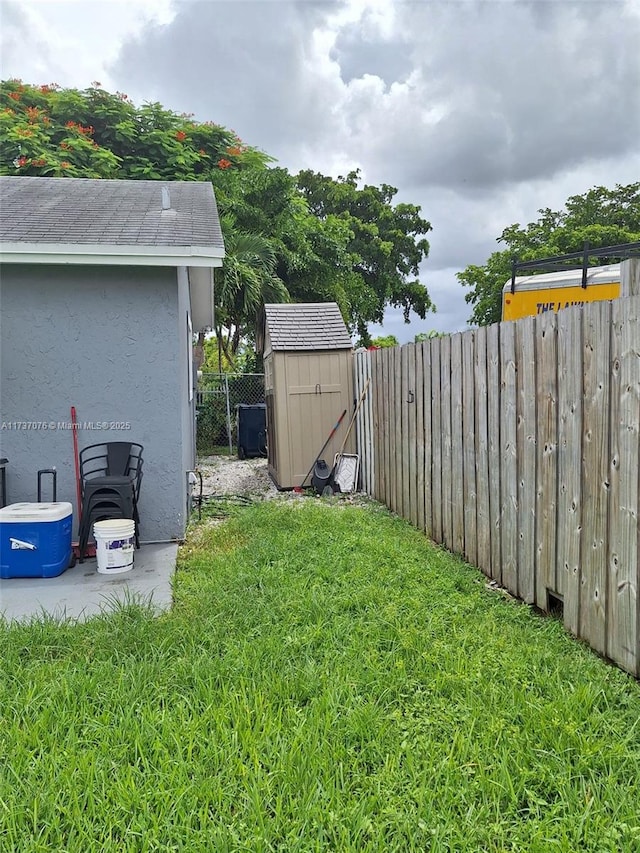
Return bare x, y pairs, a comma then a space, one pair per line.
115, 540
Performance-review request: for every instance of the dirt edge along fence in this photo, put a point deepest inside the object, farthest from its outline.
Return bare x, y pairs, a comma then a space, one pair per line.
217, 398
517, 446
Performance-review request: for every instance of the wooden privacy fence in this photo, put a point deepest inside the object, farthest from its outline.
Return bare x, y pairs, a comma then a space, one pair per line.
517, 446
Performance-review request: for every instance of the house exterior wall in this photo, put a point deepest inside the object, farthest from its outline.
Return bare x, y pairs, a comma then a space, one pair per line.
187, 370
112, 342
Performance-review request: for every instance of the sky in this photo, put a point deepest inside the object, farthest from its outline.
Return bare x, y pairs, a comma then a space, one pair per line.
480, 111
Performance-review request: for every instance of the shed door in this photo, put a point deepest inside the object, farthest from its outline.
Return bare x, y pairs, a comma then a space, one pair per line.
317, 393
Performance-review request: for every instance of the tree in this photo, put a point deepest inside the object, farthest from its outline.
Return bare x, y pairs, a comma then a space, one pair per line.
308, 238
244, 283
421, 337
384, 341
90, 133
601, 217
384, 244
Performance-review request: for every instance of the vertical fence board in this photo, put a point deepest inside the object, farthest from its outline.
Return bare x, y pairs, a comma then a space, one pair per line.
595, 473
426, 400
396, 437
483, 518
377, 387
494, 457
420, 433
546, 456
359, 371
435, 450
379, 392
390, 426
394, 426
457, 449
469, 447
623, 602
405, 511
445, 415
358, 426
508, 454
403, 443
569, 463
526, 444
365, 421
371, 468
411, 463
399, 406
388, 422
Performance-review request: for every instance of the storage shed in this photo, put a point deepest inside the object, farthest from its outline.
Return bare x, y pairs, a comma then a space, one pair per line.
308, 365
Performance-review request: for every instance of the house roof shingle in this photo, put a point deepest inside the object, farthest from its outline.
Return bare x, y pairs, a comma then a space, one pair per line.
306, 326
85, 211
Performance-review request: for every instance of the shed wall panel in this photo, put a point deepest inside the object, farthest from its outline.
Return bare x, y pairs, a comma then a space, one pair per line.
310, 391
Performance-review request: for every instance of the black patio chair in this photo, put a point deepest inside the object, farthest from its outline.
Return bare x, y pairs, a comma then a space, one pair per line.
111, 476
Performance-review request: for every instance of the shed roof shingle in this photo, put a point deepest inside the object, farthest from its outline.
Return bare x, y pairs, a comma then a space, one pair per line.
306, 326
77, 211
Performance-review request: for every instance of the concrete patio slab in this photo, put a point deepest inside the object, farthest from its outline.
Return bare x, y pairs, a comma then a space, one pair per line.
81, 592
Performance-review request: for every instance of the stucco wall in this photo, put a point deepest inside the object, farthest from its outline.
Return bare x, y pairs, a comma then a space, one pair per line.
109, 341
187, 371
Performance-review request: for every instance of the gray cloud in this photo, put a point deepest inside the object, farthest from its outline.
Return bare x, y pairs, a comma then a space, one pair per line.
507, 92
489, 94
361, 49
246, 65
482, 112
19, 38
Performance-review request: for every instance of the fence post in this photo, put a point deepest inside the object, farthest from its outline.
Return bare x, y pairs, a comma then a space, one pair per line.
229, 435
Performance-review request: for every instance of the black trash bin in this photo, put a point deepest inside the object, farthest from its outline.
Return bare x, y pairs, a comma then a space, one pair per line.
252, 430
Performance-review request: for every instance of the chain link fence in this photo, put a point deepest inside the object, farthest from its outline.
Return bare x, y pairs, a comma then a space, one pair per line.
217, 399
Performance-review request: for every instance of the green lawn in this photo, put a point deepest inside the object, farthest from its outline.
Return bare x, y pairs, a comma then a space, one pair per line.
327, 681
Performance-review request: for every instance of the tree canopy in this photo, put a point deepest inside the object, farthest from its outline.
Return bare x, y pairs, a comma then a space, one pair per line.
385, 244
305, 238
384, 341
91, 133
602, 217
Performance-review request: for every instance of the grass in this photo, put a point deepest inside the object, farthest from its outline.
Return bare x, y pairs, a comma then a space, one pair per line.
327, 681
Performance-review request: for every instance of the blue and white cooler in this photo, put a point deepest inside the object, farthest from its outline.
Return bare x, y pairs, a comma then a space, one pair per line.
35, 539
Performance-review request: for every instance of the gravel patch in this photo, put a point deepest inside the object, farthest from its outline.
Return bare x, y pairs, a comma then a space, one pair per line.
228, 475
249, 478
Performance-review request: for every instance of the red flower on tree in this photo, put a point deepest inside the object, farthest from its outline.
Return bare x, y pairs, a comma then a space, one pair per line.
22, 161
15, 96
224, 164
65, 165
181, 135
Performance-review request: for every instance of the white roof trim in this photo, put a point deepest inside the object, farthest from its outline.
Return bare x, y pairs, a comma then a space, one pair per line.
98, 254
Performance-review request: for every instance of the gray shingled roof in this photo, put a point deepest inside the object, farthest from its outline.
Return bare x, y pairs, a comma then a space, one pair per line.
76, 211
306, 326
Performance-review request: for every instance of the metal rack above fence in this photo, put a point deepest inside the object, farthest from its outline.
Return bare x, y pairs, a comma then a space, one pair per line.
561, 262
